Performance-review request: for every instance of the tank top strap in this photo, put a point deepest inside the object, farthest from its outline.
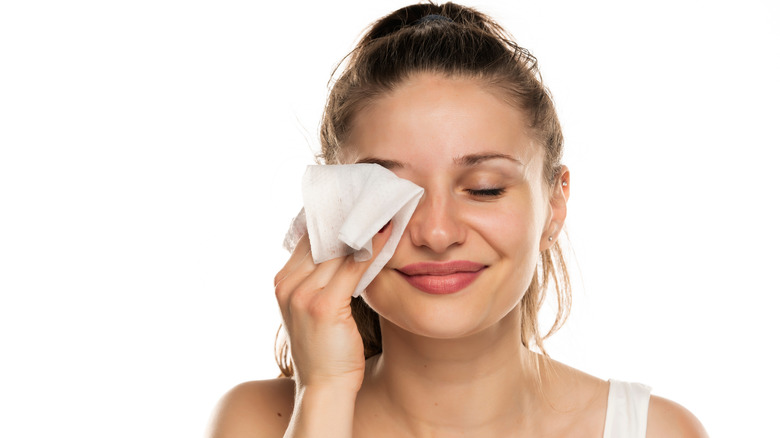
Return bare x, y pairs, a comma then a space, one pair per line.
627, 405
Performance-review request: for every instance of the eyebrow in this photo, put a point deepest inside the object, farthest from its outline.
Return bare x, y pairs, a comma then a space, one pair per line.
464, 161
387, 164
474, 159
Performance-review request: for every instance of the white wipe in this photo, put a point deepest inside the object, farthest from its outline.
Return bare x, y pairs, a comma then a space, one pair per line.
345, 205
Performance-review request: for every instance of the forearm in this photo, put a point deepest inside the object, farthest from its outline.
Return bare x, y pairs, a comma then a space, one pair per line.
322, 413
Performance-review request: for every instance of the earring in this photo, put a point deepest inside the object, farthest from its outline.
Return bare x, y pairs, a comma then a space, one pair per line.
549, 238
565, 184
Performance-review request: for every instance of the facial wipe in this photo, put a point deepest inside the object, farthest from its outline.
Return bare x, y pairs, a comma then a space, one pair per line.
345, 205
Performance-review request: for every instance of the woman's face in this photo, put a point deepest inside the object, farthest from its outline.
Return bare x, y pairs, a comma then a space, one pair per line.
470, 250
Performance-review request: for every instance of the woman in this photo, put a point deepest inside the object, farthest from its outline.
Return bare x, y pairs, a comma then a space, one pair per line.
441, 342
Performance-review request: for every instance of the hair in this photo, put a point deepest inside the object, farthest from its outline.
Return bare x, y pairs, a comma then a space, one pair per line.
453, 41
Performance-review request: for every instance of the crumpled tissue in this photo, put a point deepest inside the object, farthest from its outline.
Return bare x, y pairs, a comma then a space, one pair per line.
345, 205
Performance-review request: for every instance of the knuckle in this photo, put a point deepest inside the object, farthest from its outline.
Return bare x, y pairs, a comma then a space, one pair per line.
319, 307
311, 303
298, 301
279, 277
281, 292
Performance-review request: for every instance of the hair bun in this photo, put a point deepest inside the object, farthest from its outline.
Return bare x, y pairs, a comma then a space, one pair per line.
431, 18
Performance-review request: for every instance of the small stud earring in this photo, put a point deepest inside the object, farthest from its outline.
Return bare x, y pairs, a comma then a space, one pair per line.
549, 238
565, 184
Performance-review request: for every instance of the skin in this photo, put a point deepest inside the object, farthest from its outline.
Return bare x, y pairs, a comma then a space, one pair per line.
451, 361
452, 365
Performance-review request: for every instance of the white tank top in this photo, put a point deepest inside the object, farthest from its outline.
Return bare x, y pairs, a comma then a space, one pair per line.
626, 410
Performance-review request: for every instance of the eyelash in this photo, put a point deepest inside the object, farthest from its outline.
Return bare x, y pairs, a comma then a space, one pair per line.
487, 193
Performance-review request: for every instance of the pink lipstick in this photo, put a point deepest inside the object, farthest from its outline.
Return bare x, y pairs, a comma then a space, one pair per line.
441, 277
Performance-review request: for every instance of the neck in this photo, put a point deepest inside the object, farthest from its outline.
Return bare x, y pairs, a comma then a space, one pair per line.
478, 382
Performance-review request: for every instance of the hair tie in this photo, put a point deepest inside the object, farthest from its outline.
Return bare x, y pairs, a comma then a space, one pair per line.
432, 17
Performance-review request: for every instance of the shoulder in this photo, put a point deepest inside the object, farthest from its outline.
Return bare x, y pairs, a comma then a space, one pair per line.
251, 409
577, 400
668, 419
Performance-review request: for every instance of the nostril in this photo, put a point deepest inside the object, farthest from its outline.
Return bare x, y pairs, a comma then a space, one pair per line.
436, 227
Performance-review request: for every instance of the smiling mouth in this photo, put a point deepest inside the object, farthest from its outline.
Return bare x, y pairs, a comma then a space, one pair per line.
439, 278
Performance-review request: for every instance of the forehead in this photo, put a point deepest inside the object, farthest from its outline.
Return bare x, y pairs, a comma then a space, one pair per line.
432, 120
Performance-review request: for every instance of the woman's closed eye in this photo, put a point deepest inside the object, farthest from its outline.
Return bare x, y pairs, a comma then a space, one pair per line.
491, 192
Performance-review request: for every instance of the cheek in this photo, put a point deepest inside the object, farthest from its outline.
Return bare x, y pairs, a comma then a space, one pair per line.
513, 232
514, 236
510, 228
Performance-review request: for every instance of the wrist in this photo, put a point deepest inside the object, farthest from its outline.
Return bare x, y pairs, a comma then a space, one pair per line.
329, 394
342, 385
322, 411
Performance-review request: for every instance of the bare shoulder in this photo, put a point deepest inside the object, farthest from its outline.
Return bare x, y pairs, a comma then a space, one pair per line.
260, 408
668, 419
578, 399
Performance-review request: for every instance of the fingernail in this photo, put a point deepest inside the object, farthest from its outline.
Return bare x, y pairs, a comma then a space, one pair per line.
382, 230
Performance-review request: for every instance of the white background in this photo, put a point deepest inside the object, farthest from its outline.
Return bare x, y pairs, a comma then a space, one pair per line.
150, 159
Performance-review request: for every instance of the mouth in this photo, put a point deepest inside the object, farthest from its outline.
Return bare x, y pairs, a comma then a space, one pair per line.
441, 277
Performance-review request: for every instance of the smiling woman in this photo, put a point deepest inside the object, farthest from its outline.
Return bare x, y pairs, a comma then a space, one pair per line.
481, 203
446, 339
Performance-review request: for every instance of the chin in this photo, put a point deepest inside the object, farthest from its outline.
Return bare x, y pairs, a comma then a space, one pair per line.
436, 325
436, 316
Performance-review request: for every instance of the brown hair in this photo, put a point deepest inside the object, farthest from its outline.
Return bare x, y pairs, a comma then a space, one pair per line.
453, 41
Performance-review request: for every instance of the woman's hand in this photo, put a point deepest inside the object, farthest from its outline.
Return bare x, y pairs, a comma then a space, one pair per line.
325, 344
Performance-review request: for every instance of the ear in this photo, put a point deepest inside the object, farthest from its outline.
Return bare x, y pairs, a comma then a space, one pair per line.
559, 196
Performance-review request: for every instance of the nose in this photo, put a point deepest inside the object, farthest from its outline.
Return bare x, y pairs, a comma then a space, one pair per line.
435, 223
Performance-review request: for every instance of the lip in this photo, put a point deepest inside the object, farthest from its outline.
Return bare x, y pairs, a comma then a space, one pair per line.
441, 277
